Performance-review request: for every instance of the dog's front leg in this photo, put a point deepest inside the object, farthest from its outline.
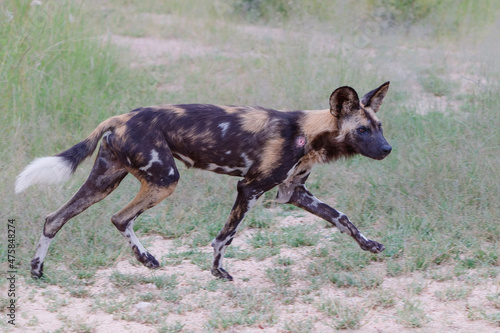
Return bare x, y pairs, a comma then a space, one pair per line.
304, 199
247, 197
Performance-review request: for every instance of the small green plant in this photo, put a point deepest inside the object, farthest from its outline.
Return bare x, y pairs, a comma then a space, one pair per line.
155, 315
265, 252
265, 239
148, 296
225, 319
411, 314
384, 298
394, 268
453, 294
236, 252
124, 280
493, 318
479, 313
54, 301
79, 292
349, 259
281, 277
111, 306
33, 321
293, 236
285, 261
160, 281
81, 325
343, 316
416, 287
4, 302
442, 275
299, 326
298, 236
175, 328
494, 300
360, 280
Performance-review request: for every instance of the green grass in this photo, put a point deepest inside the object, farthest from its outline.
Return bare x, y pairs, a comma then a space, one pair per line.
453, 294
243, 307
281, 277
412, 315
293, 236
59, 79
297, 326
343, 316
384, 298
433, 202
436, 85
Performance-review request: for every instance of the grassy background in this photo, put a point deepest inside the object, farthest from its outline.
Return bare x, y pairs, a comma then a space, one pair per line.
434, 202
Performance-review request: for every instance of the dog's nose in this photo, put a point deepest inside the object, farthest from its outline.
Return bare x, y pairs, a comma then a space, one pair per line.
386, 149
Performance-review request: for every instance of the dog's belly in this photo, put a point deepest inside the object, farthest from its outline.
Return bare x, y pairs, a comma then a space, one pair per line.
227, 162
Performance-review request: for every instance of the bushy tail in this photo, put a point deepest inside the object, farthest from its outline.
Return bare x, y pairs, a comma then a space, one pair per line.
59, 168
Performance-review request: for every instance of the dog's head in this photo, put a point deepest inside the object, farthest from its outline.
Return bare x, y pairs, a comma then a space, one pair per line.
358, 126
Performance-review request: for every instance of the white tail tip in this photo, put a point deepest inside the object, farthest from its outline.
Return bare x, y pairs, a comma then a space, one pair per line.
44, 170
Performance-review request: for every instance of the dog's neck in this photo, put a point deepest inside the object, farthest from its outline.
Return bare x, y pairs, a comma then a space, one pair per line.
321, 130
316, 122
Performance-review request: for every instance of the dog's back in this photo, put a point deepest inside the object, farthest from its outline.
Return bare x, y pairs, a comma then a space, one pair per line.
233, 140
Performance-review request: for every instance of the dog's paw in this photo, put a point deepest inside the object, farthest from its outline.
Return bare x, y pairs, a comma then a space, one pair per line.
372, 246
150, 261
36, 268
146, 258
220, 273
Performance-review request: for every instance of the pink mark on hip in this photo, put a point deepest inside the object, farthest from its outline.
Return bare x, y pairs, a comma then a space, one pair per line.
300, 142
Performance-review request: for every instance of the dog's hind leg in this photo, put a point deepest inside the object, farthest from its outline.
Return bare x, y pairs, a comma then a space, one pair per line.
245, 200
105, 176
158, 180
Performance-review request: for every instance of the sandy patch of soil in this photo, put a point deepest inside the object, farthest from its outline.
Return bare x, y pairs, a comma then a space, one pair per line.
52, 308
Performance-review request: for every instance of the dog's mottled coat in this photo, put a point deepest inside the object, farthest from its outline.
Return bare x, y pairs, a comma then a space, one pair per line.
266, 147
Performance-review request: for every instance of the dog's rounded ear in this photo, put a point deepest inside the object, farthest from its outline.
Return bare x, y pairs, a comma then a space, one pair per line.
343, 100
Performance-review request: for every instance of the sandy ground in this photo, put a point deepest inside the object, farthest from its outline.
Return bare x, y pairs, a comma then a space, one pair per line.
51, 308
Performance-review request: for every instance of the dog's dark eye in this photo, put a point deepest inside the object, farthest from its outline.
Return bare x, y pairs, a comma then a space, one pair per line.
363, 129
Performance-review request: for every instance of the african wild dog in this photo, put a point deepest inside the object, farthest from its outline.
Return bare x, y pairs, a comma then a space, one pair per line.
265, 147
